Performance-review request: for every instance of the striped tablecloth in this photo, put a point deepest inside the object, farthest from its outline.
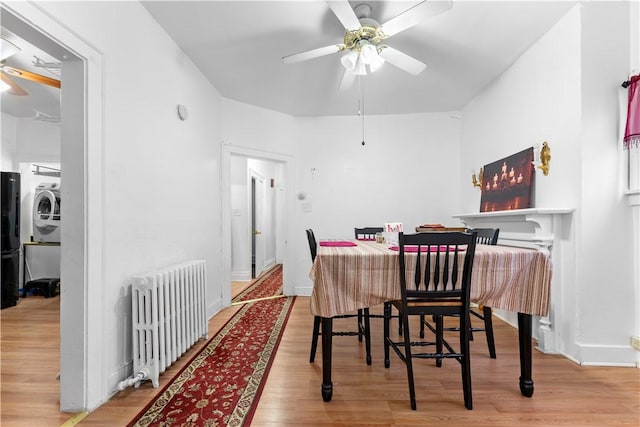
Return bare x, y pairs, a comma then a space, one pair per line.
348, 278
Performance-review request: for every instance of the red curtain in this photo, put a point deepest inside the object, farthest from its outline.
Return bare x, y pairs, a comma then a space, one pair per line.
632, 130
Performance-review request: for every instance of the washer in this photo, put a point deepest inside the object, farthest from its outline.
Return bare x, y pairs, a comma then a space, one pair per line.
46, 213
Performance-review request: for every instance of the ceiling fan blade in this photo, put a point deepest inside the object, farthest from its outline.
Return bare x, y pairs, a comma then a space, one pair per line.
414, 15
14, 89
27, 75
347, 80
402, 60
310, 54
346, 15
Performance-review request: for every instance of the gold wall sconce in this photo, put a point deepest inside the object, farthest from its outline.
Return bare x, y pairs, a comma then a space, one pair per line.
477, 181
545, 158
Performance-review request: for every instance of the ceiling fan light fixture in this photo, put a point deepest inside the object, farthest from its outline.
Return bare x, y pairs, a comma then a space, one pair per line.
368, 53
375, 65
349, 60
361, 67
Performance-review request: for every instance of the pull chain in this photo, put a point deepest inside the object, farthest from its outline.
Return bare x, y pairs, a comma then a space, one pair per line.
362, 105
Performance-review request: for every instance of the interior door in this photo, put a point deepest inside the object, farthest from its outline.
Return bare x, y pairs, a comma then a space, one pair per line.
257, 224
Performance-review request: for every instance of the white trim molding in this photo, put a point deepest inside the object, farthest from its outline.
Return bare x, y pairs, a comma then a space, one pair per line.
633, 198
542, 229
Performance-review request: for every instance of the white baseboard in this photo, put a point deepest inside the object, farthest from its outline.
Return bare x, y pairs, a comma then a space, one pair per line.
240, 276
607, 355
303, 291
214, 307
269, 263
119, 374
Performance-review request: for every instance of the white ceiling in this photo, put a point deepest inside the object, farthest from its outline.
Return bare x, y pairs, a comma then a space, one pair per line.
239, 45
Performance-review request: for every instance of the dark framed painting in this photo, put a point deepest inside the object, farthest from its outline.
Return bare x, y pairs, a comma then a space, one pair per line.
507, 184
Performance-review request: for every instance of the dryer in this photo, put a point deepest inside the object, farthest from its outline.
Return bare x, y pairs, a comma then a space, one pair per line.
46, 212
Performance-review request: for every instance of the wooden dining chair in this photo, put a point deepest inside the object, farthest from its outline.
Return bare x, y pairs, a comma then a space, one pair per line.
367, 233
362, 330
485, 236
435, 279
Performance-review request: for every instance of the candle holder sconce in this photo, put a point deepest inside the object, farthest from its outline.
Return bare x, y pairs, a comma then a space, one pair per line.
477, 182
545, 158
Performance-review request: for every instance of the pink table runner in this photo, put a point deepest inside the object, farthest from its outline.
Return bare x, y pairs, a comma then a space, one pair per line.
348, 278
337, 243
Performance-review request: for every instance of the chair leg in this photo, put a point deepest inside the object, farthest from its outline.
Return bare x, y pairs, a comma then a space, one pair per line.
409, 362
439, 337
360, 325
387, 321
367, 335
488, 327
422, 318
314, 338
465, 327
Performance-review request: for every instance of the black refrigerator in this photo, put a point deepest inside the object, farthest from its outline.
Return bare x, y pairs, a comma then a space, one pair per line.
10, 194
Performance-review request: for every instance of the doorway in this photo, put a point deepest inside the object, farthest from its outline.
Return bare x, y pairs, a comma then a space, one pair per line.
81, 376
272, 174
258, 216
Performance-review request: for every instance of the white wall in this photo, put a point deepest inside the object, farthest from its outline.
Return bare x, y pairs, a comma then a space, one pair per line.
407, 171
563, 90
8, 125
257, 128
161, 195
37, 141
536, 100
605, 215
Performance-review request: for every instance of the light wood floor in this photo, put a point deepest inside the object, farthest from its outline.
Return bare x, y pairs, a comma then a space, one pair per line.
565, 394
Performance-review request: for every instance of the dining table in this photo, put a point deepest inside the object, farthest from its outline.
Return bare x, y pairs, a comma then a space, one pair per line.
349, 275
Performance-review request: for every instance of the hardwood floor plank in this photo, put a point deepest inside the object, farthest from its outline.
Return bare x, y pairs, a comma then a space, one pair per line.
566, 394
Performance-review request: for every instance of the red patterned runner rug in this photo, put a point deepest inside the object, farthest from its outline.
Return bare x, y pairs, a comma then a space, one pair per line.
266, 286
222, 384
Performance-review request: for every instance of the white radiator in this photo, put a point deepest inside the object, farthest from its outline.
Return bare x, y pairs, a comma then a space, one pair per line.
168, 315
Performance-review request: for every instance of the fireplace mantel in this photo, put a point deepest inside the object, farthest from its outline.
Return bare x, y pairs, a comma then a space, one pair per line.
544, 229
534, 227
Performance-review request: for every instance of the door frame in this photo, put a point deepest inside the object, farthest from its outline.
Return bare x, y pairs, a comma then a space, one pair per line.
288, 214
82, 384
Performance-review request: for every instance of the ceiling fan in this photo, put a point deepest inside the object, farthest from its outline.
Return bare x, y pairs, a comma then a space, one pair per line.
7, 72
364, 39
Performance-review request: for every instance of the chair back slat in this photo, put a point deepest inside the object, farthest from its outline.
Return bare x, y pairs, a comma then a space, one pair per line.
447, 258
436, 270
417, 279
486, 236
367, 233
